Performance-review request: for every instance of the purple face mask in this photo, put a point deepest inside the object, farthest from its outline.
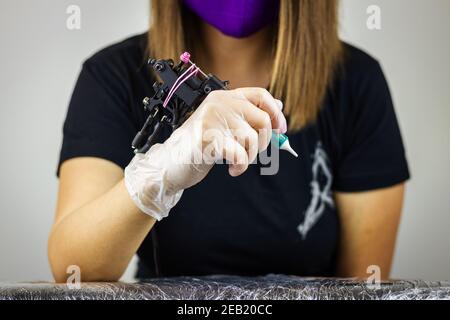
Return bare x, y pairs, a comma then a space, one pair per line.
236, 18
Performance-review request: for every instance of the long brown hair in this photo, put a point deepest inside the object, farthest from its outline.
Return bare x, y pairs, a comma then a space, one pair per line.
306, 52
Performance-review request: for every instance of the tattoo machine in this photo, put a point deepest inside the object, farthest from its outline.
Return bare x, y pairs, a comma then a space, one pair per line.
181, 90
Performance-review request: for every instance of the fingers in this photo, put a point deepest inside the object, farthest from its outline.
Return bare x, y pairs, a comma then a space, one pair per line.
248, 117
243, 120
236, 155
248, 137
239, 148
262, 99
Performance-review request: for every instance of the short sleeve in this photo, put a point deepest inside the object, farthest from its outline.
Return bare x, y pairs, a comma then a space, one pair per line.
99, 121
373, 154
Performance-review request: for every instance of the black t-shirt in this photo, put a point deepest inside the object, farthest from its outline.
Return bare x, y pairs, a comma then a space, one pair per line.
254, 224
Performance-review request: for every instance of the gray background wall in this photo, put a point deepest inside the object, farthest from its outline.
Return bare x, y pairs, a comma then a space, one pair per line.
40, 59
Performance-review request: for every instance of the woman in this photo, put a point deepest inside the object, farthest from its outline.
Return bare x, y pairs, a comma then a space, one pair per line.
334, 211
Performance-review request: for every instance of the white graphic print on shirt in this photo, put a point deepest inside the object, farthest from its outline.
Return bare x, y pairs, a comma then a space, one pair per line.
321, 195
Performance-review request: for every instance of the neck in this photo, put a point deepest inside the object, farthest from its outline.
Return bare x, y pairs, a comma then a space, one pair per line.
244, 62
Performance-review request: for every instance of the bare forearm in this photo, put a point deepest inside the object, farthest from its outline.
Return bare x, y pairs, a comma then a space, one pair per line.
100, 237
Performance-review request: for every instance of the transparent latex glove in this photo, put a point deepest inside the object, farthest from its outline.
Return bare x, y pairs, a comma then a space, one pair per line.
234, 125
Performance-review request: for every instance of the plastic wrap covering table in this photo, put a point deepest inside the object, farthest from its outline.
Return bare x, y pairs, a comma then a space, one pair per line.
232, 288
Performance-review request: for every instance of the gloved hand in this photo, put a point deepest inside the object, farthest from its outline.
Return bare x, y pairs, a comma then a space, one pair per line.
233, 125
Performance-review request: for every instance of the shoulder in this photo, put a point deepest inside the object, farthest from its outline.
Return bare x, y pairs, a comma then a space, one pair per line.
359, 94
123, 56
117, 67
357, 61
130, 49
360, 71
366, 134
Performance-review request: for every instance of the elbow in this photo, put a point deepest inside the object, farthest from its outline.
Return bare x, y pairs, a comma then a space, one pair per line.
70, 267
71, 272
70, 276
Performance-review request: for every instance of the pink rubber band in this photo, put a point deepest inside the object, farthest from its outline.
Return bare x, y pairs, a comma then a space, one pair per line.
182, 79
175, 84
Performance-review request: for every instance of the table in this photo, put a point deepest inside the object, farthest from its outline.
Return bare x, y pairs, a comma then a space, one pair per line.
232, 287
